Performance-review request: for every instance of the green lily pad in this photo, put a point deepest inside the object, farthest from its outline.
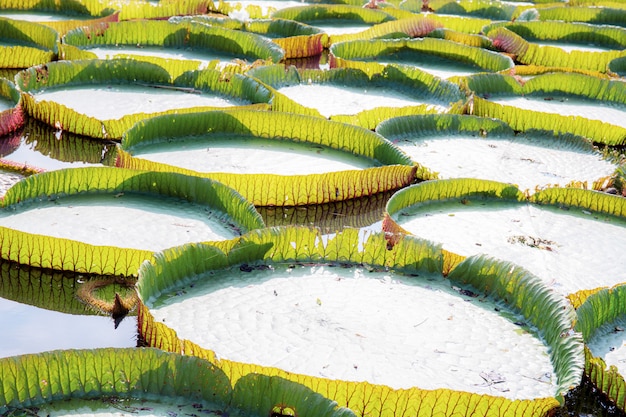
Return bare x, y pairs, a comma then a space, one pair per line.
457, 146
198, 46
561, 235
548, 55
306, 160
439, 57
601, 319
302, 289
60, 16
75, 207
602, 15
145, 382
69, 95
578, 104
568, 35
335, 20
342, 92
298, 40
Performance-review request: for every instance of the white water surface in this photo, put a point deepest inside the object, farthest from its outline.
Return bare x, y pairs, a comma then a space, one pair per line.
115, 102
247, 155
525, 161
355, 325
122, 220
331, 100
570, 106
573, 248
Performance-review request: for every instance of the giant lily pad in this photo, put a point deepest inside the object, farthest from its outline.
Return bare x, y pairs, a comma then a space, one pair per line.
330, 321
602, 15
152, 211
296, 39
467, 146
344, 93
152, 383
531, 53
568, 35
72, 95
335, 19
296, 160
437, 56
192, 46
23, 44
565, 103
143, 9
60, 16
546, 234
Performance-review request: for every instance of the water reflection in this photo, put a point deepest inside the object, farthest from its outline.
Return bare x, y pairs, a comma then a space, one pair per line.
29, 329
43, 147
40, 311
330, 217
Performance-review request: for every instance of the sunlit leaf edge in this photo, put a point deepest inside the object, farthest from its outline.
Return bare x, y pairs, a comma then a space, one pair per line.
410, 27
297, 190
547, 310
595, 15
31, 33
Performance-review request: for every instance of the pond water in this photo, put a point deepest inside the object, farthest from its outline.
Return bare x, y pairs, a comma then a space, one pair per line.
31, 329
